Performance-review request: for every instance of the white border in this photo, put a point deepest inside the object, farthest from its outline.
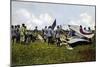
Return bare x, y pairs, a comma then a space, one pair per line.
5, 32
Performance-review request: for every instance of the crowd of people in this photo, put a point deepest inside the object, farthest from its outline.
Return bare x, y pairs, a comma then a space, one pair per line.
20, 34
49, 35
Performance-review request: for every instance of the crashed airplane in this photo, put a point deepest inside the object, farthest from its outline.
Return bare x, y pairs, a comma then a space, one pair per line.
81, 35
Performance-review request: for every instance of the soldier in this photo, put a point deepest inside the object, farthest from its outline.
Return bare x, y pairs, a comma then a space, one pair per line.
22, 33
45, 33
36, 32
25, 34
30, 36
13, 34
58, 36
18, 34
49, 34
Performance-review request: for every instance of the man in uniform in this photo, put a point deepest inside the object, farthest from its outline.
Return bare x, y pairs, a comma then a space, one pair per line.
13, 34
45, 33
22, 33
18, 34
25, 35
49, 34
35, 32
57, 34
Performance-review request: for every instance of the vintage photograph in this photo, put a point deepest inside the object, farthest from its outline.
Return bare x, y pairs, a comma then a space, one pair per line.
52, 33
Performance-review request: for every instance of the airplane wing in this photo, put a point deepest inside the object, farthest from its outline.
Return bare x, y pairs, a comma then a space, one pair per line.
74, 40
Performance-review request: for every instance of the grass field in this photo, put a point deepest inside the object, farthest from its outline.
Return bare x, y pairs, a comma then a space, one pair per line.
42, 53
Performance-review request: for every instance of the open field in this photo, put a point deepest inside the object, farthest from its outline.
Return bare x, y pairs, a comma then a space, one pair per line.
42, 53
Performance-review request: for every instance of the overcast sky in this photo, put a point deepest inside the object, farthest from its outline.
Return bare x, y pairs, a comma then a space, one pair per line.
43, 14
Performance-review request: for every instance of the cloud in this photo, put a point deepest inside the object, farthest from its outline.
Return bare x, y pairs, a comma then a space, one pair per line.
20, 16
84, 19
42, 20
31, 20
46, 18
87, 19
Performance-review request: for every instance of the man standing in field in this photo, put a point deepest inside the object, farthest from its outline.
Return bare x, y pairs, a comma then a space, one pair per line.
13, 34
22, 33
49, 34
18, 34
36, 32
25, 34
58, 36
45, 34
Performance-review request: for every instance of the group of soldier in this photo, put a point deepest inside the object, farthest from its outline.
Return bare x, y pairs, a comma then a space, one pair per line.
20, 34
50, 35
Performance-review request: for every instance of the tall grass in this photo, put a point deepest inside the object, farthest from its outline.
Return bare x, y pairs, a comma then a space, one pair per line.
42, 53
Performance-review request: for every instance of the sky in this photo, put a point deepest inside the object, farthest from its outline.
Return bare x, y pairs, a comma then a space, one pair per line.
43, 14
